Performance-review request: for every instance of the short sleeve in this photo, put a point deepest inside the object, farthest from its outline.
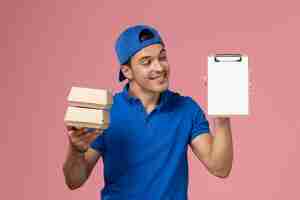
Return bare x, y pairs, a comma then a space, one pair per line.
199, 122
98, 144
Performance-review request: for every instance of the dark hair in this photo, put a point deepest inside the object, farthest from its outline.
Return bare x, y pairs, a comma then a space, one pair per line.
128, 63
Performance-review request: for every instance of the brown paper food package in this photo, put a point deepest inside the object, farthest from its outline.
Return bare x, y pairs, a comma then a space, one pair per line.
90, 98
86, 117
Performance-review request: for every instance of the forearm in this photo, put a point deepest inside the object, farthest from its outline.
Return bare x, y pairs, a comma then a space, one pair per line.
75, 169
222, 147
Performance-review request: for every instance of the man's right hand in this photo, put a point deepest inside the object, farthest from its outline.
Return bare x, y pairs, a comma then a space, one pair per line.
80, 138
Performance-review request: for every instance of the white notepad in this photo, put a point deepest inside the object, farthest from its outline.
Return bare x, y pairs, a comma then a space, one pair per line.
228, 84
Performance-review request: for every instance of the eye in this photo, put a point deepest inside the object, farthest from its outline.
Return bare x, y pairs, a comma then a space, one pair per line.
146, 62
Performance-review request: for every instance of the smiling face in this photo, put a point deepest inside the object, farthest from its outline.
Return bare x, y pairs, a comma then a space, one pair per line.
149, 69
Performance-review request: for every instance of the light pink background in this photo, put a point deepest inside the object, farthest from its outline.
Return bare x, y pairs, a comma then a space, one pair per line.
49, 46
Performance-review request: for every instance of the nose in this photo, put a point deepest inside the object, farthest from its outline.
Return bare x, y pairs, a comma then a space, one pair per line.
158, 66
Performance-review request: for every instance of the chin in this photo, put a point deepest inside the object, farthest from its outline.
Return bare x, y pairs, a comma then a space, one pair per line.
161, 88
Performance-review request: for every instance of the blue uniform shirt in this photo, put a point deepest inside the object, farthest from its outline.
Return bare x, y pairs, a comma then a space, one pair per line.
145, 154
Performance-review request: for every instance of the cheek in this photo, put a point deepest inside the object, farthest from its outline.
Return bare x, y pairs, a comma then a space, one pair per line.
141, 75
166, 66
167, 70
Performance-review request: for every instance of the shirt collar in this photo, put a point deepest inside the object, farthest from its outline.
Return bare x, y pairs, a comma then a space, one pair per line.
164, 96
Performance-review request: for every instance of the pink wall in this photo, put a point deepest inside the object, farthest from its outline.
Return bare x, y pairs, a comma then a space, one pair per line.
47, 47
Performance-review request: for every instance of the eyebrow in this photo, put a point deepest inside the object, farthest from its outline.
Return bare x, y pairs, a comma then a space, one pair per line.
147, 57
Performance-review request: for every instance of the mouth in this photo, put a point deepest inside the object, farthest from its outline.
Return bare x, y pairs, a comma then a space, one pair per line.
160, 78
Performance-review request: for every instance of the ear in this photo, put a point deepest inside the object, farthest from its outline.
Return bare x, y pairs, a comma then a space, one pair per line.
127, 71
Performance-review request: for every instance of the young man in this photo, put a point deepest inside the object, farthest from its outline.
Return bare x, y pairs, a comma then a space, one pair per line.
144, 150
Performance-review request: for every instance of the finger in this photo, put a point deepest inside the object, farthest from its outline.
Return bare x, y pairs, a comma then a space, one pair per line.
80, 146
69, 128
251, 88
89, 130
88, 138
204, 79
78, 132
93, 130
94, 133
98, 131
251, 84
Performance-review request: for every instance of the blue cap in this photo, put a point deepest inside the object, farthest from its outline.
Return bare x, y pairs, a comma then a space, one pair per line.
130, 42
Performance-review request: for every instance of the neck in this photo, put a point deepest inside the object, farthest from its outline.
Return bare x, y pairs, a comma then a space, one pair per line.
148, 98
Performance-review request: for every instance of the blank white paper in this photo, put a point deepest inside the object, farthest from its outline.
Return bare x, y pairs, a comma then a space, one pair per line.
228, 86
